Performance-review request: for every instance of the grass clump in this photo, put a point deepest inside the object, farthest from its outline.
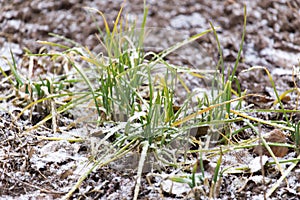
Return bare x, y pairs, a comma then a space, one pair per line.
126, 92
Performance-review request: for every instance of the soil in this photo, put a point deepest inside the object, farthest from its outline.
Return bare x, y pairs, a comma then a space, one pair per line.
33, 168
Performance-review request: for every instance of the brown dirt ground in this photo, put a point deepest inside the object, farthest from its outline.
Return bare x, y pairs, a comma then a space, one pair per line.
29, 171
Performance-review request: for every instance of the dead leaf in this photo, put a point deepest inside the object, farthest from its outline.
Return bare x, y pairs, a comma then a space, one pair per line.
275, 136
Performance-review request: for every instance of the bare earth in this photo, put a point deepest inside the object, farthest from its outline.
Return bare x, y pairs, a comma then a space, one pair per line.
33, 168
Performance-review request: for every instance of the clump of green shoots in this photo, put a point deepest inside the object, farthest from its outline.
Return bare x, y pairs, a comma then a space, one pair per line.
125, 91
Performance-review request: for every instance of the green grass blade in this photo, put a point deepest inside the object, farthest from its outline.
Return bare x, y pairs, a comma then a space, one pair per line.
241, 45
145, 148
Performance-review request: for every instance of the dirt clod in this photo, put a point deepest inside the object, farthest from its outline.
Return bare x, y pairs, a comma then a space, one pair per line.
275, 136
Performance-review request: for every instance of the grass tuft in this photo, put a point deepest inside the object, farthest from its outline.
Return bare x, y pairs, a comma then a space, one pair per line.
125, 90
